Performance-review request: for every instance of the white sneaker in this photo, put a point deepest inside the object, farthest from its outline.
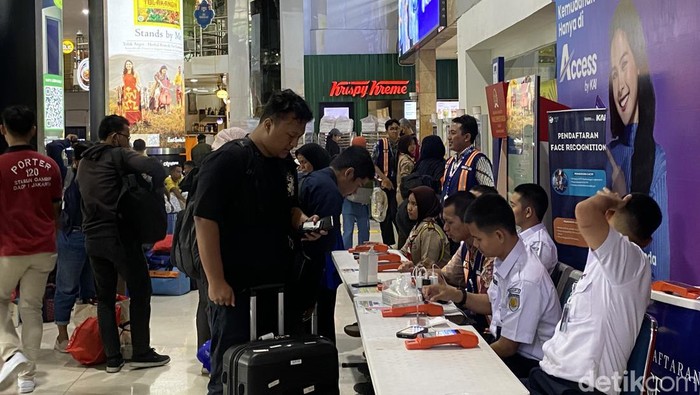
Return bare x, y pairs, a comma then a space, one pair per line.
26, 385
61, 346
16, 362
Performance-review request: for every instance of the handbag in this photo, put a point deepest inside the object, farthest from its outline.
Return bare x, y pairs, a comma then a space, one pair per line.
380, 204
85, 344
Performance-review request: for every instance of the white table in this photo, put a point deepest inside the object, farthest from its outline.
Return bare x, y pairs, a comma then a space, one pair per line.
440, 371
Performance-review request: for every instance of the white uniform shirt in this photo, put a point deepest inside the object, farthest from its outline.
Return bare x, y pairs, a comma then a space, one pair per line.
524, 303
606, 310
539, 241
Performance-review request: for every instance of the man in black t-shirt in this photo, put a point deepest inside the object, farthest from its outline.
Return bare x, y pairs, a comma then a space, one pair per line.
246, 219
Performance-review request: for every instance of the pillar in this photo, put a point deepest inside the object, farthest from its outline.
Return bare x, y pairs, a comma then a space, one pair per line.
292, 45
239, 62
427, 90
98, 61
17, 32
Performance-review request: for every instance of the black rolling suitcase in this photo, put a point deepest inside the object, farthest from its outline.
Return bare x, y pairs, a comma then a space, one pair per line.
283, 365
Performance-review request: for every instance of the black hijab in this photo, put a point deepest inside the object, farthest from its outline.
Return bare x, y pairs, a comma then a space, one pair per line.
428, 203
316, 155
432, 158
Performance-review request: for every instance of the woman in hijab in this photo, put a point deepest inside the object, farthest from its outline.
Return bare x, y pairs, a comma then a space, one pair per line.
312, 157
432, 159
427, 243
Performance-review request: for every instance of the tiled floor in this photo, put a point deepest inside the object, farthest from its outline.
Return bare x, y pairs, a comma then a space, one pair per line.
173, 333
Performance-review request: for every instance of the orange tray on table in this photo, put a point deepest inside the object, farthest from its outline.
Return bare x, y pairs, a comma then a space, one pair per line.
378, 247
679, 289
430, 309
460, 337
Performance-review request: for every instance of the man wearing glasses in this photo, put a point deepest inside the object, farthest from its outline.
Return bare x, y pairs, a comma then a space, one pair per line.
113, 250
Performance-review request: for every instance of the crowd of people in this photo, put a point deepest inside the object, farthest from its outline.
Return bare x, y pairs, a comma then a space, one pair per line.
251, 199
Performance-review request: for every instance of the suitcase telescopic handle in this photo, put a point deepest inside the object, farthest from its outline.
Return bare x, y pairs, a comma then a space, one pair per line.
254, 309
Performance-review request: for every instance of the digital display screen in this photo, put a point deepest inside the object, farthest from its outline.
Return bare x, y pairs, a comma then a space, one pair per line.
336, 112
53, 47
410, 110
417, 20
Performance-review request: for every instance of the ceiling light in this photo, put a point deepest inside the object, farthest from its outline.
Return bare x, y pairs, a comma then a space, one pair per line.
85, 11
194, 80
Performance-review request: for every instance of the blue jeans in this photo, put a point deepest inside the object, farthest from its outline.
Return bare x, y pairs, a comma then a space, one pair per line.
355, 212
73, 275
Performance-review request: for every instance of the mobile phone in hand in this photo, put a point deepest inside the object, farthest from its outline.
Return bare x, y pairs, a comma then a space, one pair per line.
324, 224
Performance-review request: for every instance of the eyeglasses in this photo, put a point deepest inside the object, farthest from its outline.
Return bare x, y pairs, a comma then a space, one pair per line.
128, 137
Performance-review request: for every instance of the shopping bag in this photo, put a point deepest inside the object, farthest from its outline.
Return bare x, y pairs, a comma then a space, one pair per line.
380, 203
85, 345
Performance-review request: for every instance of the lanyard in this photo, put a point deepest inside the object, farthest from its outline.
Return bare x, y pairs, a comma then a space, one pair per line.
457, 164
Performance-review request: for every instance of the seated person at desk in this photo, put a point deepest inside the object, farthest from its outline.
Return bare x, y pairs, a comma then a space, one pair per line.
427, 243
530, 203
464, 270
596, 334
521, 299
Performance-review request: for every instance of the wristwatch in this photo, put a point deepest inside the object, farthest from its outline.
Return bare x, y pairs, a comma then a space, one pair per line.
464, 297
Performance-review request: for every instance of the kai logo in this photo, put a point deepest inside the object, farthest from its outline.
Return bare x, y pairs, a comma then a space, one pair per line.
575, 68
600, 117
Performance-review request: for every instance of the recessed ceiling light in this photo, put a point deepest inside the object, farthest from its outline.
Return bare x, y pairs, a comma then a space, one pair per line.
194, 80
85, 11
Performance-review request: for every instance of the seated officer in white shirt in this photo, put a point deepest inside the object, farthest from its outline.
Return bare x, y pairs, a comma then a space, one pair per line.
521, 299
601, 321
530, 203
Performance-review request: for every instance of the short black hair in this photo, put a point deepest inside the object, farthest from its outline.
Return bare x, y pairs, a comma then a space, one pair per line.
173, 167
484, 189
79, 148
533, 195
356, 157
111, 124
491, 212
643, 215
201, 137
139, 145
190, 163
405, 142
19, 120
283, 103
460, 201
390, 122
467, 124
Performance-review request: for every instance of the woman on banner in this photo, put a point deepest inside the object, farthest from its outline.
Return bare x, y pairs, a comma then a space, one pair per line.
637, 162
130, 99
163, 82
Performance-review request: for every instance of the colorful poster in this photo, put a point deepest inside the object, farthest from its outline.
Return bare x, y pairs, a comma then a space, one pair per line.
521, 103
577, 163
145, 76
637, 56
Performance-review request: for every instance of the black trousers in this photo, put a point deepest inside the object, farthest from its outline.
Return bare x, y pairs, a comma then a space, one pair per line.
203, 330
110, 258
387, 226
520, 366
540, 383
325, 312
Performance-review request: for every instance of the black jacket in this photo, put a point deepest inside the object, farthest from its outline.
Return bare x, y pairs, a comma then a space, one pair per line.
100, 185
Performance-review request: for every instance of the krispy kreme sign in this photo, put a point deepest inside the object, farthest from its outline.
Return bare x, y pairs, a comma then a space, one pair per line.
368, 88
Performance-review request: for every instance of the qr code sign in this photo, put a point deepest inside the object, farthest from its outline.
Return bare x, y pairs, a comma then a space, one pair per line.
53, 107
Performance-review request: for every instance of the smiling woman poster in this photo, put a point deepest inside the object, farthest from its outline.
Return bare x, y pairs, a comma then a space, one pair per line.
638, 57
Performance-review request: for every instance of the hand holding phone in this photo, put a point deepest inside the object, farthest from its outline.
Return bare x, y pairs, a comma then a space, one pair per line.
323, 224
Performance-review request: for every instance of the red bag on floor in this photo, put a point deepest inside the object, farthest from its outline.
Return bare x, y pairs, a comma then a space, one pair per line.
85, 345
164, 245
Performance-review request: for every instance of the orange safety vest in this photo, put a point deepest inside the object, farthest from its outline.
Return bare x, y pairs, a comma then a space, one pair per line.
464, 175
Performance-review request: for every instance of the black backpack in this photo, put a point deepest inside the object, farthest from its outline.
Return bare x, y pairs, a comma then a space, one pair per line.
141, 207
71, 214
184, 253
